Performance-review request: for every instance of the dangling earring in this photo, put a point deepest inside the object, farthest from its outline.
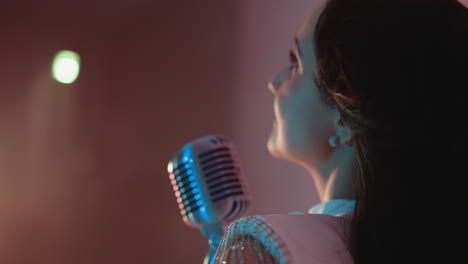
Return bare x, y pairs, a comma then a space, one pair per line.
334, 141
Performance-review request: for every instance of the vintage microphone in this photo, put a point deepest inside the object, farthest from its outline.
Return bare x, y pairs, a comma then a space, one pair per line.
210, 187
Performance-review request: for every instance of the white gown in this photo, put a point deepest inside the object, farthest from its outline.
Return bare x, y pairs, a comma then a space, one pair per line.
317, 237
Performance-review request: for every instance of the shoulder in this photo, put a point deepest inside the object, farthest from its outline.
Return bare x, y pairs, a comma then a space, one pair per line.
309, 238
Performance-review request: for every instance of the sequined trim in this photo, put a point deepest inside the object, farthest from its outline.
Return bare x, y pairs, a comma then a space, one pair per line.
257, 235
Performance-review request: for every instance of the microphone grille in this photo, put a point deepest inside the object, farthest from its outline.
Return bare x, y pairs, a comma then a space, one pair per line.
185, 187
208, 181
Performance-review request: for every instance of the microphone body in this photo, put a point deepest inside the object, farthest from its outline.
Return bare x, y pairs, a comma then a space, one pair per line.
210, 186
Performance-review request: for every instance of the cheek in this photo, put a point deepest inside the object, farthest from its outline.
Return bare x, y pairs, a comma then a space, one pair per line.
305, 126
308, 135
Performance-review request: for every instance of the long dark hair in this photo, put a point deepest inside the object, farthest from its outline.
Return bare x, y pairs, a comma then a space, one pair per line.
398, 72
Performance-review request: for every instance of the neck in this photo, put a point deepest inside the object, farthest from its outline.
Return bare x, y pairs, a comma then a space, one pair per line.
335, 176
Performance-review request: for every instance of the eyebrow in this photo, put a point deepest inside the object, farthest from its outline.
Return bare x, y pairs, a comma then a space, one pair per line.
296, 43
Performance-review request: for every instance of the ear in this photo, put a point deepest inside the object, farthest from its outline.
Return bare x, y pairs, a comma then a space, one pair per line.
344, 134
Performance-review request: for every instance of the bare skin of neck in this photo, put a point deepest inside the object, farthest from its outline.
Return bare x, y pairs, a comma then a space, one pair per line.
334, 178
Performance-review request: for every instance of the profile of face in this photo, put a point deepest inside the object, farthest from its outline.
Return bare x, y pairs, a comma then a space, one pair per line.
303, 122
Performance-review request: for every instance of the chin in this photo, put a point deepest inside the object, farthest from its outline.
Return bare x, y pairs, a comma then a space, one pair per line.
282, 152
276, 149
278, 146
272, 147
274, 152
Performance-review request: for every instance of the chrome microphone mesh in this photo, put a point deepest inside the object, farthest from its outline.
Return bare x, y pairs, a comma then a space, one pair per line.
208, 182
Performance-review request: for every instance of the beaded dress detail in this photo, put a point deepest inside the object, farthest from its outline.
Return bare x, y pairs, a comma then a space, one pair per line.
252, 234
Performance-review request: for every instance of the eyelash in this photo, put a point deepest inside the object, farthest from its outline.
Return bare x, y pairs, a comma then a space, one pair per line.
293, 59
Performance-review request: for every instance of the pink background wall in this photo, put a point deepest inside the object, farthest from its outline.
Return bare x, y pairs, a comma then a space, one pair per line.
83, 167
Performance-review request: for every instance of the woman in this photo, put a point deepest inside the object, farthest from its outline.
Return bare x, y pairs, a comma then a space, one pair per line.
373, 106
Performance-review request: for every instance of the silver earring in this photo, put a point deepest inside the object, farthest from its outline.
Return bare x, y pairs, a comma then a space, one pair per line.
334, 141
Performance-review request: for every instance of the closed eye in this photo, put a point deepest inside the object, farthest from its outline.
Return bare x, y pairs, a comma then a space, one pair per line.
293, 58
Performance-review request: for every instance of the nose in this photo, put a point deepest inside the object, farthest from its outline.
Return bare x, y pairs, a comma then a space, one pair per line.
276, 81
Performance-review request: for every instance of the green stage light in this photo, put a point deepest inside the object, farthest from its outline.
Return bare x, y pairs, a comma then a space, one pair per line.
66, 66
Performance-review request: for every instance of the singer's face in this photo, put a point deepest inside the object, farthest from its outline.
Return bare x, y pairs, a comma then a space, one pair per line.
303, 122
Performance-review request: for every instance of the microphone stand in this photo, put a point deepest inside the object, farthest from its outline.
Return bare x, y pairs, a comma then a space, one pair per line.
214, 233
